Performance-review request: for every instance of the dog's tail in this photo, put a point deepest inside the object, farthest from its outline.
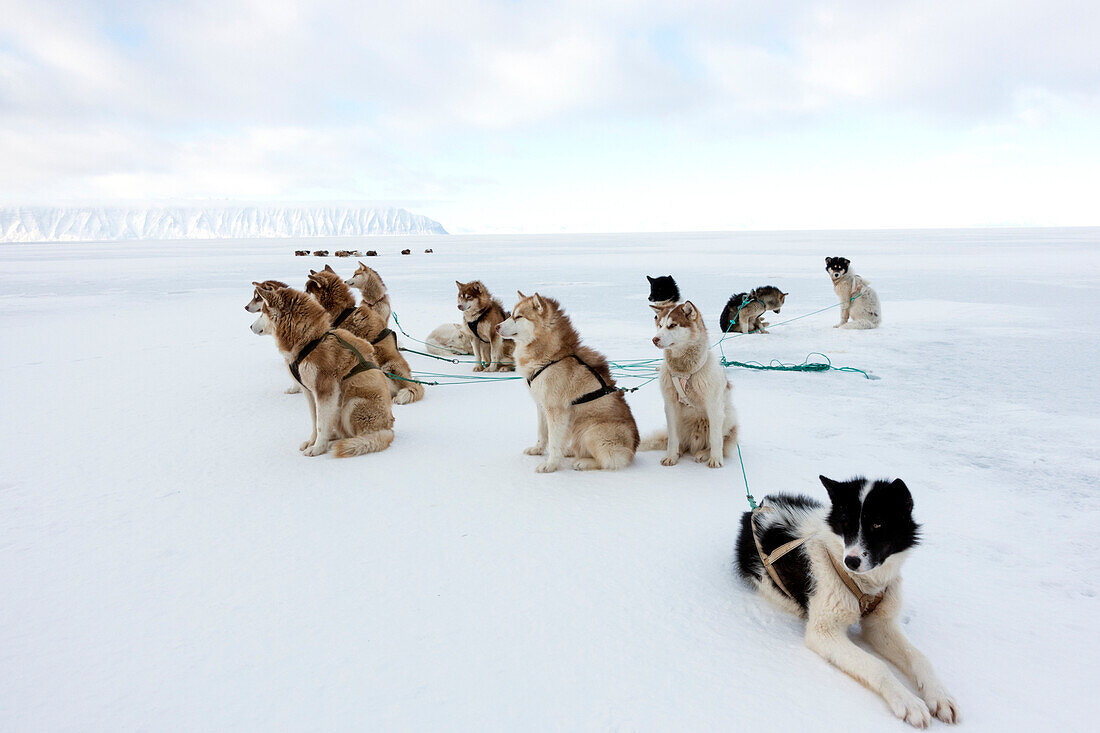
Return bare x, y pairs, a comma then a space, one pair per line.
364, 443
654, 441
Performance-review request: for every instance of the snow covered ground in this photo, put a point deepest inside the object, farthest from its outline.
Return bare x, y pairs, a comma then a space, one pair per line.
171, 562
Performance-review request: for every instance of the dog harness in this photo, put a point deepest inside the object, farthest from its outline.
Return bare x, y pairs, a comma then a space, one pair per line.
604, 390
680, 382
362, 366
382, 335
343, 316
472, 325
867, 602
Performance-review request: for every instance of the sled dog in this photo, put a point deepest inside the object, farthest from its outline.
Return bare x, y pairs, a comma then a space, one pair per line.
261, 326
450, 339
744, 312
370, 285
335, 297
348, 395
699, 413
859, 306
482, 313
839, 565
580, 411
663, 290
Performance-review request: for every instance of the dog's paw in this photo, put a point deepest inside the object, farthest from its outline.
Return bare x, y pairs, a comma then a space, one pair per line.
403, 397
702, 456
670, 460
479, 367
714, 462
535, 450
317, 449
293, 389
942, 705
586, 464
507, 367
305, 444
547, 467
838, 325
910, 708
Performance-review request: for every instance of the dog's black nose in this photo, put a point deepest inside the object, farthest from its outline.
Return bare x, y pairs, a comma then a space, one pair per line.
851, 562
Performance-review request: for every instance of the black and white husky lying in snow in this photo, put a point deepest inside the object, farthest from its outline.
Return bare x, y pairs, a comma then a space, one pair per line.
663, 291
841, 564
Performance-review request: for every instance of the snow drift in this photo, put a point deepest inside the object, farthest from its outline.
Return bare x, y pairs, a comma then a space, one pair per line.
45, 224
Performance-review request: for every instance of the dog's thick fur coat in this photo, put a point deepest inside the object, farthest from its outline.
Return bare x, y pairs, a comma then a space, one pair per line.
354, 414
749, 308
699, 412
859, 304
868, 532
599, 433
370, 286
334, 296
450, 339
482, 313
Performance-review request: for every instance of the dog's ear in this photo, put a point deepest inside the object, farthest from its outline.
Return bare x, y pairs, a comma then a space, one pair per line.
459, 284
657, 308
783, 295
256, 284
651, 279
899, 486
835, 488
690, 310
828, 260
520, 294
536, 301
477, 287
361, 263
328, 268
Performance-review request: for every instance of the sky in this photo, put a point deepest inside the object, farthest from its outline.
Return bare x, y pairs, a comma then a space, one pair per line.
511, 116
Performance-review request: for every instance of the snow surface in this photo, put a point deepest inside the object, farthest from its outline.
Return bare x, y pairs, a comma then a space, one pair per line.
171, 562
55, 223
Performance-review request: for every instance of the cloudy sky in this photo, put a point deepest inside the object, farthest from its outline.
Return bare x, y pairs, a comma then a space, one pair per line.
564, 116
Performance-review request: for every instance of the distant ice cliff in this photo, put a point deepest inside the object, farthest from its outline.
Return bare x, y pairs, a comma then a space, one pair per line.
55, 224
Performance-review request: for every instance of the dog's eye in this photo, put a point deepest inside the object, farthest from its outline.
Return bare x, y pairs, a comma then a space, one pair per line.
876, 526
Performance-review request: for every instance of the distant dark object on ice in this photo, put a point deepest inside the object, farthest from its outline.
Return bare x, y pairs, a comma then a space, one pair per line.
371, 253
429, 251
321, 253
301, 252
406, 251
343, 253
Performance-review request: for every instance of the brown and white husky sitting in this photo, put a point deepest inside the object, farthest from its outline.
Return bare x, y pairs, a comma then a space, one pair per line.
698, 410
744, 312
580, 411
261, 326
335, 297
482, 314
859, 306
370, 285
348, 395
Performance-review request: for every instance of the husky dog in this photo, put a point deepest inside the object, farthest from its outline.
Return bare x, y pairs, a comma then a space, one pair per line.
335, 297
320, 253
349, 396
663, 291
857, 300
343, 253
698, 410
406, 251
261, 326
580, 411
450, 339
301, 252
373, 290
482, 314
841, 564
744, 312
371, 253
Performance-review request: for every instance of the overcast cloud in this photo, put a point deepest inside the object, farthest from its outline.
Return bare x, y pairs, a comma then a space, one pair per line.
514, 116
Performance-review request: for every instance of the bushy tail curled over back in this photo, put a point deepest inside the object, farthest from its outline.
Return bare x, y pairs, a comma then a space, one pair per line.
654, 441
364, 443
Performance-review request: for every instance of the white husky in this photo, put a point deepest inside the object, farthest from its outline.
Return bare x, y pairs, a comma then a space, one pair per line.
698, 409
